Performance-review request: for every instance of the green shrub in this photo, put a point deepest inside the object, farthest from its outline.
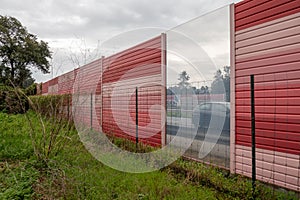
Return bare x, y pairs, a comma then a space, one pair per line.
31, 90
51, 105
2, 98
13, 100
52, 133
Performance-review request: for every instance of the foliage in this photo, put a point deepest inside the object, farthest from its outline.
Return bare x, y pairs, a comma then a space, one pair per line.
15, 143
13, 100
229, 186
2, 97
74, 174
52, 132
183, 80
16, 177
28, 146
17, 180
183, 87
31, 90
129, 145
203, 90
19, 52
221, 83
51, 105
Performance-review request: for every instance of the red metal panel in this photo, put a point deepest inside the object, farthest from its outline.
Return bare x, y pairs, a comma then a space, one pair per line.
134, 54
268, 46
280, 76
255, 7
269, 37
275, 168
272, 69
291, 101
65, 82
117, 69
288, 58
292, 136
53, 81
267, 11
87, 81
145, 61
45, 87
139, 65
247, 4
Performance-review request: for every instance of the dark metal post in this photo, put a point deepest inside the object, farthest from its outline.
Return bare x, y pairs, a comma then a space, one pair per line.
91, 110
253, 133
68, 108
136, 118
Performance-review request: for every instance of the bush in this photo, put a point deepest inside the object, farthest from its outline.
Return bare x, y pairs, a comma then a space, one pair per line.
31, 90
13, 100
54, 125
2, 98
51, 105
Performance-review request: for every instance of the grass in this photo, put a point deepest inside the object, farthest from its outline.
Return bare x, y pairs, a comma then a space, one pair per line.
74, 174
15, 142
90, 180
16, 180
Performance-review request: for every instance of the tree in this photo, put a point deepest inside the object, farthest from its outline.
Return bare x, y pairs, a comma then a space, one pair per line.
221, 83
203, 90
183, 80
20, 51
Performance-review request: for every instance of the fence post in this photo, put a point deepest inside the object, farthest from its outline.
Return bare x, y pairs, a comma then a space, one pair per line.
68, 108
253, 134
136, 118
91, 110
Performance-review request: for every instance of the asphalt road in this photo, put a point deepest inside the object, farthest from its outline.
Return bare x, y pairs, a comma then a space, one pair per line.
186, 131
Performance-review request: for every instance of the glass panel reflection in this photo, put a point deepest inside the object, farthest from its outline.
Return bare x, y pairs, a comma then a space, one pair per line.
198, 86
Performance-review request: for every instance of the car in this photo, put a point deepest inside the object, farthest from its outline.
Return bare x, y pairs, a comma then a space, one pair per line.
205, 111
172, 101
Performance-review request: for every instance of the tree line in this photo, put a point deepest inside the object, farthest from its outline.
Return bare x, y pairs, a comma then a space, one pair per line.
219, 85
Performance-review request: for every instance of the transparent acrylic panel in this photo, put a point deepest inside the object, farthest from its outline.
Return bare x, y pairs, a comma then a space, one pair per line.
198, 86
127, 39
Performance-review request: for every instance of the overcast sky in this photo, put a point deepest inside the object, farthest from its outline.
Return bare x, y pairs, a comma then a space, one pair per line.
69, 25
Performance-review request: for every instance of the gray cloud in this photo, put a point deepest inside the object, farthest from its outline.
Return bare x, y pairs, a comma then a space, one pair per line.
61, 22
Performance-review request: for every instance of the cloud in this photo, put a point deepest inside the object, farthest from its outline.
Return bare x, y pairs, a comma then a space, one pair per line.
62, 22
